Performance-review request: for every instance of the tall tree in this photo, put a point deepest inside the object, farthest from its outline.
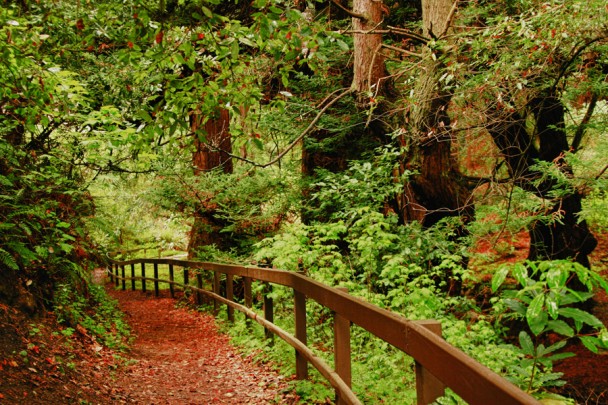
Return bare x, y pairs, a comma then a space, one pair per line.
525, 98
331, 151
437, 190
213, 146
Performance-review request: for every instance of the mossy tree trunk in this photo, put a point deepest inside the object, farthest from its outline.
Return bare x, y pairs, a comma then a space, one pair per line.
437, 190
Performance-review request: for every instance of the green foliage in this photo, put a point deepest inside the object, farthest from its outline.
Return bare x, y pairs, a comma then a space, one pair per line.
543, 298
361, 247
114, 86
41, 216
97, 313
128, 216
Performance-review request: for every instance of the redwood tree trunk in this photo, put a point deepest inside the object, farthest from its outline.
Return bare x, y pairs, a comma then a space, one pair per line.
568, 238
437, 191
323, 149
213, 148
369, 69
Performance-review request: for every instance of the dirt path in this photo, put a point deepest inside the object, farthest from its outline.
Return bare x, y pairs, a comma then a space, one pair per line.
180, 358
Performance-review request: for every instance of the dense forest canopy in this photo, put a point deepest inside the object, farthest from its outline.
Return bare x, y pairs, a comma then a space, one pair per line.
372, 144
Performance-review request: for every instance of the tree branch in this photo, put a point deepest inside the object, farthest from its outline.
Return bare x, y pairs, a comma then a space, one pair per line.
406, 52
601, 173
349, 12
448, 21
37, 142
580, 130
389, 30
295, 141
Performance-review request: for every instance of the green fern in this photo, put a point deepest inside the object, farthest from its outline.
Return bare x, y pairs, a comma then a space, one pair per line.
8, 260
5, 181
28, 211
26, 228
22, 251
4, 226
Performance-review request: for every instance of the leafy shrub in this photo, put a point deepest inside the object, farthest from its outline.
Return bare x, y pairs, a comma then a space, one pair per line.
43, 239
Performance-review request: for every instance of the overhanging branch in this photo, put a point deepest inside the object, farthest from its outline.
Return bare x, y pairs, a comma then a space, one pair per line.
295, 141
389, 30
580, 130
350, 12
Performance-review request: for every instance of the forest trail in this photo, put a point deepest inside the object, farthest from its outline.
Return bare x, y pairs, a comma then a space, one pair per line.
179, 357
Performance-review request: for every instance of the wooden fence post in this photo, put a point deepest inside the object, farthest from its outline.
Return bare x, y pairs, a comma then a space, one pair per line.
122, 273
342, 360
428, 387
199, 285
300, 315
172, 279
186, 280
156, 279
132, 276
268, 310
230, 295
143, 277
216, 289
116, 275
248, 297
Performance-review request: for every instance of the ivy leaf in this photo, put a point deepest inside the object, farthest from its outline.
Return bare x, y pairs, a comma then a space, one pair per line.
557, 277
590, 343
560, 327
552, 306
343, 45
234, 50
207, 12
555, 346
516, 306
520, 273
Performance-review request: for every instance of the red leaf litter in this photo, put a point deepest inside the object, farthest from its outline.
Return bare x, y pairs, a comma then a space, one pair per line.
180, 358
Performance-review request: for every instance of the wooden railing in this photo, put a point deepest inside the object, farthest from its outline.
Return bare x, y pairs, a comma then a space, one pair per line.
438, 364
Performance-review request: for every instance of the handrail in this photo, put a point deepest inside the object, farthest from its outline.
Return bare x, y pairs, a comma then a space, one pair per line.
472, 381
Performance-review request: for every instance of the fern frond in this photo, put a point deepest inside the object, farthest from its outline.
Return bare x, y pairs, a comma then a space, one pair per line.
4, 181
29, 211
6, 225
8, 260
23, 251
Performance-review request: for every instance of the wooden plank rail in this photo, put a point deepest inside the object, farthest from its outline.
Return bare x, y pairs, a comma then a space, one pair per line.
438, 364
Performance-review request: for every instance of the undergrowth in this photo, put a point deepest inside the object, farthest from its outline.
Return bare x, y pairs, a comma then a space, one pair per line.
95, 312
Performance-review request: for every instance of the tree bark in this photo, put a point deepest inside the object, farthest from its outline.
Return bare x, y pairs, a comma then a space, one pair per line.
566, 238
213, 146
437, 191
369, 74
369, 69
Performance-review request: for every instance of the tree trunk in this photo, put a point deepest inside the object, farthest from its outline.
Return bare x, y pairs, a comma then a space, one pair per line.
332, 152
437, 191
369, 69
213, 148
567, 238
